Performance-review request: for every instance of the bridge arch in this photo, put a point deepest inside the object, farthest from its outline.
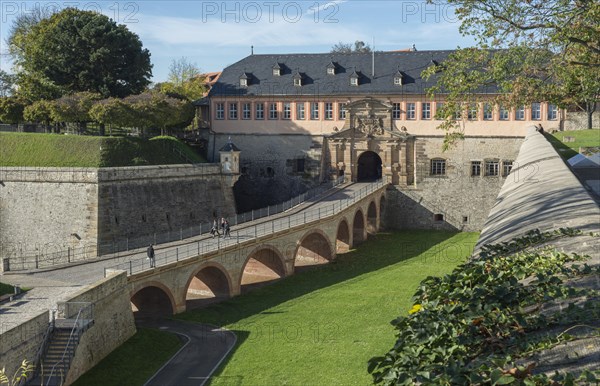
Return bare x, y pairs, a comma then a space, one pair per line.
358, 228
342, 240
209, 283
372, 224
382, 211
265, 264
369, 167
153, 298
313, 248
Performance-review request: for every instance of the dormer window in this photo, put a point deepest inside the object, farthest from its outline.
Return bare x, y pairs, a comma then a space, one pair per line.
244, 80
297, 78
354, 78
331, 69
277, 69
398, 78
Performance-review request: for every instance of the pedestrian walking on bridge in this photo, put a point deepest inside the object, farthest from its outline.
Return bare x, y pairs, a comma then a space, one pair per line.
150, 253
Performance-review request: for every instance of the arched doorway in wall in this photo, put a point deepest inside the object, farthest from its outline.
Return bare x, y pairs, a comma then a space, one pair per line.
151, 301
263, 266
382, 213
369, 167
209, 285
313, 250
358, 228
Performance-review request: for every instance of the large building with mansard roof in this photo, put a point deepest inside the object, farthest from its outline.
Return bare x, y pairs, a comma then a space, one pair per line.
300, 119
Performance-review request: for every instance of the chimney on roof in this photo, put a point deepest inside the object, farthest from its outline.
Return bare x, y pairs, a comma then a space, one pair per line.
251, 50
414, 47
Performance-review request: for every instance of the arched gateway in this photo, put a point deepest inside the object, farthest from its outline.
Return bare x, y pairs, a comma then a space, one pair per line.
370, 147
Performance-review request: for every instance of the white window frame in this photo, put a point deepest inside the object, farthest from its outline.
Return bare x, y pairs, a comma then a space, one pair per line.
328, 111
259, 109
233, 111
331, 71
247, 111
520, 113
220, 110
300, 111
298, 82
506, 167
488, 112
426, 110
411, 110
503, 114
492, 168
273, 111
353, 81
438, 107
396, 111
475, 168
314, 111
552, 112
342, 111
536, 111
244, 82
287, 110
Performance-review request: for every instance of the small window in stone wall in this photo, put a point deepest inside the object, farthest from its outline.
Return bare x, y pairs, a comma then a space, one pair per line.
438, 217
465, 219
299, 165
438, 167
270, 172
116, 220
144, 218
192, 216
168, 217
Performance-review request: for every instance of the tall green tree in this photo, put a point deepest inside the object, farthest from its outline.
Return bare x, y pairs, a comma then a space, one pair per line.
75, 108
40, 112
528, 50
7, 83
184, 79
74, 51
11, 110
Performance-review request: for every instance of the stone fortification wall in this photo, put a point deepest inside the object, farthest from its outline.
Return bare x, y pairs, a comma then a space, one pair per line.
22, 342
579, 120
462, 199
113, 323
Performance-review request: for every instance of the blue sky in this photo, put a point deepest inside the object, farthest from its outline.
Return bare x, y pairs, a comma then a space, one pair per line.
214, 34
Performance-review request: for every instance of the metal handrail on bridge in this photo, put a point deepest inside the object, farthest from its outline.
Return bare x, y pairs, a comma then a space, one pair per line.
202, 247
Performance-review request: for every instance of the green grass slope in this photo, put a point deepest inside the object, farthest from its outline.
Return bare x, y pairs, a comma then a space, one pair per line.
583, 138
52, 150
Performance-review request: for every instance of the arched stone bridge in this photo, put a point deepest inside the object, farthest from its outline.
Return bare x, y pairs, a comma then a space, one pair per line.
196, 274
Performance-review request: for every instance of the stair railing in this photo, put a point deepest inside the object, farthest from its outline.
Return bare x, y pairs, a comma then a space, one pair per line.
37, 361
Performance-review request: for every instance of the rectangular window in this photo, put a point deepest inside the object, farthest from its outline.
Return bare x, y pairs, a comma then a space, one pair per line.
520, 113
506, 167
300, 112
488, 112
503, 113
410, 111
314, 110
475, 168
552, 112
536, 111
246, 111
425, 110
260, 110
472, 113
396, 111
342, 110
287, 110
273, 111
233, 111
438, 167
439, 106
491, 168
328, 110
220, 111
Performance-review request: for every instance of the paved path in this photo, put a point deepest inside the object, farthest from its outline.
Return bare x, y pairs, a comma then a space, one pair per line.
205, 348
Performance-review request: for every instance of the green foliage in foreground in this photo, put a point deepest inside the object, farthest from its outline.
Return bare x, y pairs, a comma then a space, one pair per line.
52, 150
320, 327
6, 289
583, 138
471, 326
135, 361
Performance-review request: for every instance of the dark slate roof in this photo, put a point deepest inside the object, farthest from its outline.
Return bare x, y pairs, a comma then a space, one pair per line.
229, 147
313, 68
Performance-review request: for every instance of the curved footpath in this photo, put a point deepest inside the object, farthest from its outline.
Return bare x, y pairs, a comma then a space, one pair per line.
542, 193
205, 348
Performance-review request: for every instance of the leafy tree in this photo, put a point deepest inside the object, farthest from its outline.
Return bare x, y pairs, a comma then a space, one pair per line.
74, 108
542, 51
157, 110
7, 83
74, 50
346, 48
40, 112
21, 26
184, 79
11, 110
111, 111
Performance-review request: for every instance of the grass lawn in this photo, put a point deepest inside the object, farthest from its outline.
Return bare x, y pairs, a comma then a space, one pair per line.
6, 289
54, 150
583, 138
321, 327
135, 361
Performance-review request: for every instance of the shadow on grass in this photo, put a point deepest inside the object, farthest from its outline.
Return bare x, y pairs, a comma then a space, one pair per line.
378, 252
563, 150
